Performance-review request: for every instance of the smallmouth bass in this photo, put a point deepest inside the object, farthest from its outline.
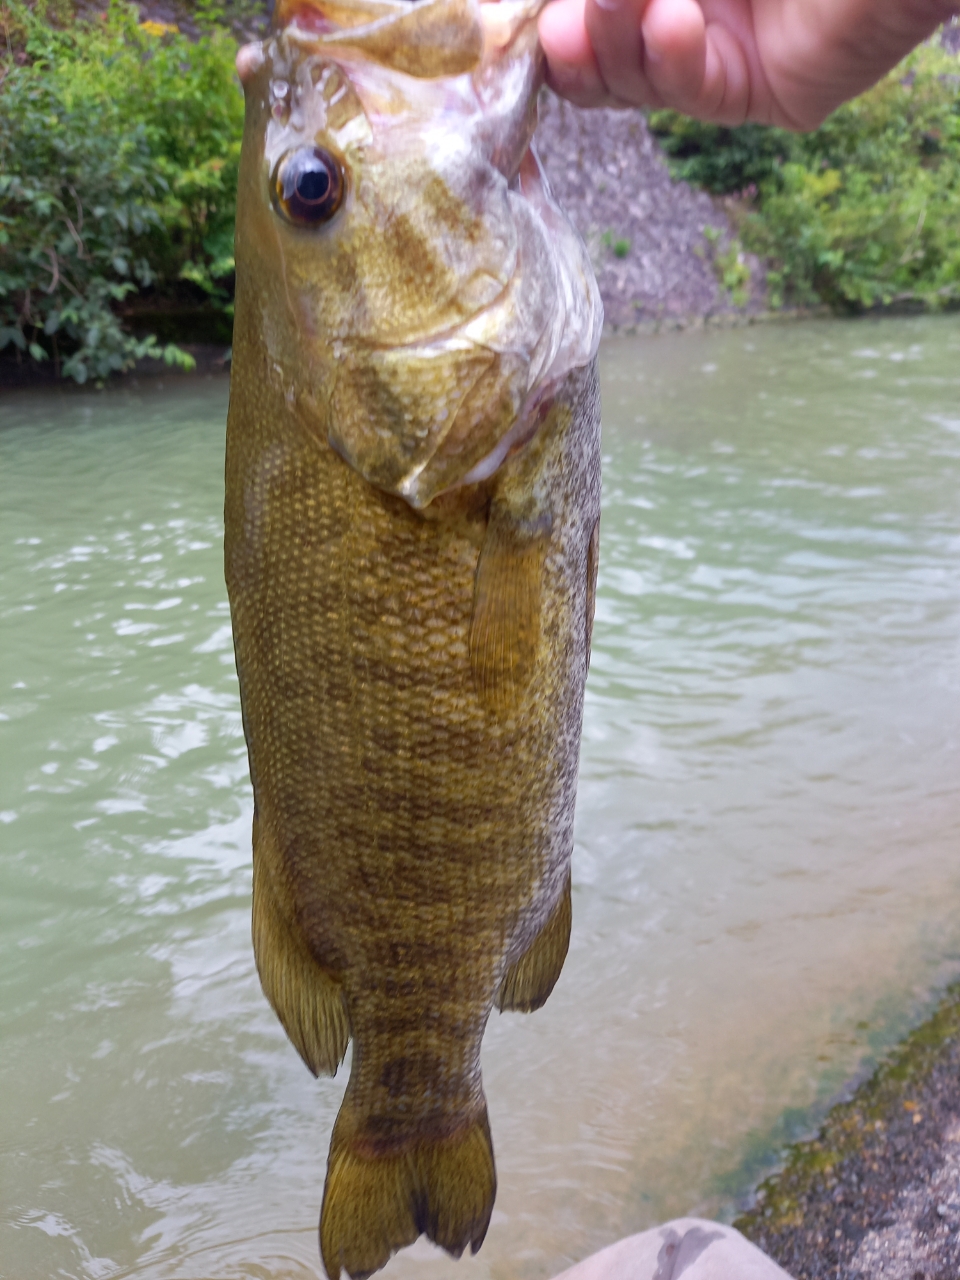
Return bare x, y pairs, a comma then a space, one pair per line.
412, 514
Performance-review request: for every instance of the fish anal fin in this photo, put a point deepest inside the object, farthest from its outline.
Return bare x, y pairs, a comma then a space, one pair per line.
529, 981
507, 598
375, 1203
306, 998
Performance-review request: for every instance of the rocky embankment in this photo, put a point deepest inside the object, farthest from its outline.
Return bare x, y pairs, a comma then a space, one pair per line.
654, 242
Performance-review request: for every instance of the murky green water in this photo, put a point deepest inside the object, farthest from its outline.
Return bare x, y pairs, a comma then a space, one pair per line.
766, 874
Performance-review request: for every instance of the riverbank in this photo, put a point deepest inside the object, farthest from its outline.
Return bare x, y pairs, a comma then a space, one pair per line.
877, 1192
660, 248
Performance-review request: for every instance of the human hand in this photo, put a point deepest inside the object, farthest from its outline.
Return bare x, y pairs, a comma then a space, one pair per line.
781, 62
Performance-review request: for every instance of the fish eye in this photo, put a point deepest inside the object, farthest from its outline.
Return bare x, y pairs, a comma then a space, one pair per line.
308, 186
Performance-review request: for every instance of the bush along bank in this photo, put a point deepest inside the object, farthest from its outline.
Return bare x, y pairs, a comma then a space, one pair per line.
120, 141
118, 170
859, 215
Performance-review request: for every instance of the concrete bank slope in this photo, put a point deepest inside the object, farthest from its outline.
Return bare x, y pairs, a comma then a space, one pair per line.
877, 1193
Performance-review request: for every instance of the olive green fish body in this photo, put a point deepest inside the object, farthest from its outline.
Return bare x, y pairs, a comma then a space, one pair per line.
412, 629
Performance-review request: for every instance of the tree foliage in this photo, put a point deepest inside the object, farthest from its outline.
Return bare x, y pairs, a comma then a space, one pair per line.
863, 212
721, 159
118, 163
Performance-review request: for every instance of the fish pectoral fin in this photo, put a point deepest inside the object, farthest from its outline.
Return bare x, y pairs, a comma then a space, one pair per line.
529, 981
306, 998
375, 1204
507, 599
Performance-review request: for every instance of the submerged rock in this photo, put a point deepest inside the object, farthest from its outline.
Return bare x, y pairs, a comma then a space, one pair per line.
690, 1247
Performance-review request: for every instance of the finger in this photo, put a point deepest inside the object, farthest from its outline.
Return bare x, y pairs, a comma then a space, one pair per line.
695, 66
572, 69
614, 29
726, 94
675, 51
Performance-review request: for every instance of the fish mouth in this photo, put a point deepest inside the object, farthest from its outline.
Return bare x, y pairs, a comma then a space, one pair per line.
451, 36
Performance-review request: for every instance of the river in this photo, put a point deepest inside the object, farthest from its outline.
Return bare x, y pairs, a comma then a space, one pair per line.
766, 880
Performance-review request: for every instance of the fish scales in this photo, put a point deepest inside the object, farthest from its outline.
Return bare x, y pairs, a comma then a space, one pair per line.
412, 505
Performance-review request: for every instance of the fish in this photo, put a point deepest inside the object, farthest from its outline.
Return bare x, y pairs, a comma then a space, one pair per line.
411, 546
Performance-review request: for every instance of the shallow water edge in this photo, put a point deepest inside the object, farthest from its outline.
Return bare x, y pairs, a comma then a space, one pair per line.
875, 1190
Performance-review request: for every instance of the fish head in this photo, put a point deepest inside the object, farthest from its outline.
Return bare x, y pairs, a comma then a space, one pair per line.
416, 287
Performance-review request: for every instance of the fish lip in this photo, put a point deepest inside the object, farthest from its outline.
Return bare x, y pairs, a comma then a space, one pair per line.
452, 334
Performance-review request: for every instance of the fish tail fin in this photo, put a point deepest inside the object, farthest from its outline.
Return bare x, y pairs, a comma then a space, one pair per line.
376, 1203
460, 1183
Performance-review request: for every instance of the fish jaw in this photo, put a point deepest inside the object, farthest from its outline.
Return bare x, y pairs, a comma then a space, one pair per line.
460, 405
424, 39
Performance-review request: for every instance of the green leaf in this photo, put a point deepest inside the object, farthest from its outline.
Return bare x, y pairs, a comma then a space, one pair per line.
118, 154
182, 359
12, 334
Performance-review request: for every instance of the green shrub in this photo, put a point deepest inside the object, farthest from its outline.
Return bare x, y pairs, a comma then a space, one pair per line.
118, 164
77, 200
868, 213
730, 266
861, 213
619, 246
720, 159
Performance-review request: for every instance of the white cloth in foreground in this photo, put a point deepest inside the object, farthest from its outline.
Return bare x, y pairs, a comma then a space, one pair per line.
692, 1248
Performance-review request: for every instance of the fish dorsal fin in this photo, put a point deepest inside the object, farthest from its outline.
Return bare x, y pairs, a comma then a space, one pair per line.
422, 38
529, 981
507, 598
